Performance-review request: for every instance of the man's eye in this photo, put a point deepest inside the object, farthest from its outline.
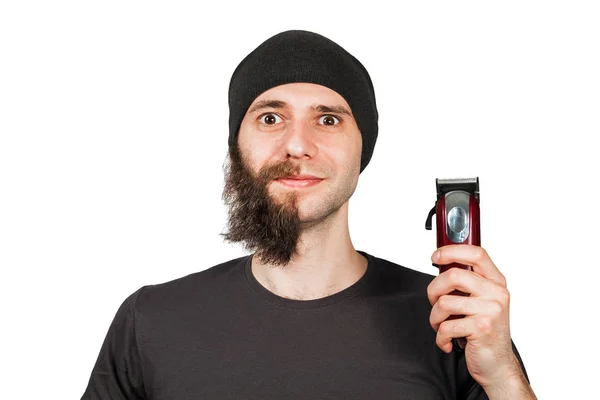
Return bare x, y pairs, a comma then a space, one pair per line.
269, 119
329, 120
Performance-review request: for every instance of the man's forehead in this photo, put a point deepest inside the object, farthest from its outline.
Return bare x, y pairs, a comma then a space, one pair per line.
301, 89
301, 95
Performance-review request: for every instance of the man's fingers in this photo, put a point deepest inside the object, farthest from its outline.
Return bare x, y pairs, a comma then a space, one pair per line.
448, 305
464, 280
475, 256
468, 327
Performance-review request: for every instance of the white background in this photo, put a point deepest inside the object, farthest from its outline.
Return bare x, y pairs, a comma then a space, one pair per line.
113, 122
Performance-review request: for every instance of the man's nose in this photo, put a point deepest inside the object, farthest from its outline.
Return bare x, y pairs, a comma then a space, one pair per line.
300, 140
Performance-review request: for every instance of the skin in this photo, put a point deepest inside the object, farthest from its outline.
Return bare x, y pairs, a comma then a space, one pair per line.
293, 136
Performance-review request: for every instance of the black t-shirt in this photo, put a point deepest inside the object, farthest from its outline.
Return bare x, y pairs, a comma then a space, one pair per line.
219, 334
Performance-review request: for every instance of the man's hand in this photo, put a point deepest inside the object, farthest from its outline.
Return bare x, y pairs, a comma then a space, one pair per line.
489, 355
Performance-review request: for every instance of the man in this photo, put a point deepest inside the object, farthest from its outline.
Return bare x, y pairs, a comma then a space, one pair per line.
306, 316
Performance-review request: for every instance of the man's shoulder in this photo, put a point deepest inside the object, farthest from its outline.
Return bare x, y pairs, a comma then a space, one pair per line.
400, 276
195, 286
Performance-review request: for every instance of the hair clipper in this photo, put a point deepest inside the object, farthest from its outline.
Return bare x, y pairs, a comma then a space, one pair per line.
457, 222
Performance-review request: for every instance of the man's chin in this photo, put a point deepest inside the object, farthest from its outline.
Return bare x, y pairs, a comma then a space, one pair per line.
305, 207
283, 197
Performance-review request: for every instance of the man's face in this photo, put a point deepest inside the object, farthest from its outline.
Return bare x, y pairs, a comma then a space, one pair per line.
298, 163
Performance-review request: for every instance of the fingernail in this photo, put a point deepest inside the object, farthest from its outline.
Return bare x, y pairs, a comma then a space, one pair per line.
436, 256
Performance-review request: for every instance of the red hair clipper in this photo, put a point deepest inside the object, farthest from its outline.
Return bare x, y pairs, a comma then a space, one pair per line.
457, 222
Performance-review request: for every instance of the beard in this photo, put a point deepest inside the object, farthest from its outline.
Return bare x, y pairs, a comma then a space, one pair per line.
262, 224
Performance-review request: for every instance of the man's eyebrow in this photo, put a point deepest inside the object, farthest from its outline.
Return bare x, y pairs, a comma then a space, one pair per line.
338, 109
267, 104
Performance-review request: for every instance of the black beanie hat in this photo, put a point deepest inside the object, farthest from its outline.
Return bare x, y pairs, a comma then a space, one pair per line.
301, 56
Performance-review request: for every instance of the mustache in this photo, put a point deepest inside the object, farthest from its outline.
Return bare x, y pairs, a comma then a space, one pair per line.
269, 172
280, 170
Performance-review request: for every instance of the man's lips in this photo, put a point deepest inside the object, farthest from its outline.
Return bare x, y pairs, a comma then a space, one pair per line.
299, 181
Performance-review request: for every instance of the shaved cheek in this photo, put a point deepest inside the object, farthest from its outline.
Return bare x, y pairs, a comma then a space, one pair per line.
249, 160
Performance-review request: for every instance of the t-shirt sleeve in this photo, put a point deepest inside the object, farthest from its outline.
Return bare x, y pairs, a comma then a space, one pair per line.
474, 391
117, 373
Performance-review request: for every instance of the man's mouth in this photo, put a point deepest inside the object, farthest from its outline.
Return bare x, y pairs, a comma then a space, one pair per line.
299, 181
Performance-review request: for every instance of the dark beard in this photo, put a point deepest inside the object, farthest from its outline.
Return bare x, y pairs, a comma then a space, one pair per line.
260, 223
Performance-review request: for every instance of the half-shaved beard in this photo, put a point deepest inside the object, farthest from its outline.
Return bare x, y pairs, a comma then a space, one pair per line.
261, 224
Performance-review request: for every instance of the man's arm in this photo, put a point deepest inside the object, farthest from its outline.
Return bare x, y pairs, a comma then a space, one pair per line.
514, 386
117, 373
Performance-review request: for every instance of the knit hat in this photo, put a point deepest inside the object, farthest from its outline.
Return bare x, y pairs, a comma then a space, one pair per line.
301, 56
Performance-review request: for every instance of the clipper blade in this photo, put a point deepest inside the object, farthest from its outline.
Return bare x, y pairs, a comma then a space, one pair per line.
469, 185
443, 186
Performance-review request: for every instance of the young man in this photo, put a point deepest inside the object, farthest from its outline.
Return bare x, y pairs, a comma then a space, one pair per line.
306, 316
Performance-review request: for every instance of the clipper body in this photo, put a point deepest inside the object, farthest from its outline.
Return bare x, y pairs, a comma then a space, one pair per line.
457, 222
